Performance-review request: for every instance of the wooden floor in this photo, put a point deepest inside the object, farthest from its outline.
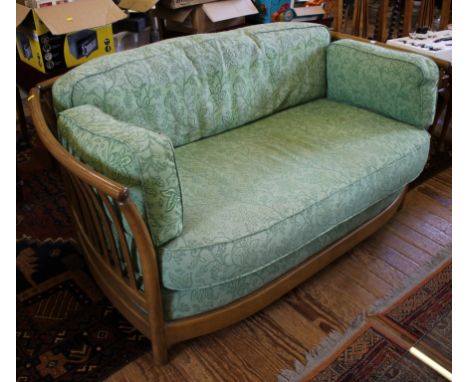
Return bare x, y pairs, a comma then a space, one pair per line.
259, 347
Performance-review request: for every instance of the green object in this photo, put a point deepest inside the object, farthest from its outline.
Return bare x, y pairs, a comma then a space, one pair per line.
286, 166
396, 84
257, 193
141, 159
190, 88
179, 304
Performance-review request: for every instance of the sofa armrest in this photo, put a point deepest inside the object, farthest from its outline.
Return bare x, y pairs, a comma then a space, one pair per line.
141, 159
399, 85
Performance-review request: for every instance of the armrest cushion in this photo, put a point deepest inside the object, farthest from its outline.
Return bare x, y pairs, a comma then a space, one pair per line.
140, 159
399, 85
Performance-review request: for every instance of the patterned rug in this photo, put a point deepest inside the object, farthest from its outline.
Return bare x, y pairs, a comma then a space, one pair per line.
426, 314
374, 357
376, 347
66, 330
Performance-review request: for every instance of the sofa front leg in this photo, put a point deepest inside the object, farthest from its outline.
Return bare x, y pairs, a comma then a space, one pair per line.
159, 349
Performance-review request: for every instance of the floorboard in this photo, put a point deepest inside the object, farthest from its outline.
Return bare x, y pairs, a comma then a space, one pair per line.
259, 347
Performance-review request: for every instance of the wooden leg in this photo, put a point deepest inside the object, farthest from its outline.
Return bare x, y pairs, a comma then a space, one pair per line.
160, 357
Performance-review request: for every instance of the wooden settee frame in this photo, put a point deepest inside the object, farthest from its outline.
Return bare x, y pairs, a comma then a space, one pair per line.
91, 194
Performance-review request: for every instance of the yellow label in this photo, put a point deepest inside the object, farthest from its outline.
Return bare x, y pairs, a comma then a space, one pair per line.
85, 45
78, 47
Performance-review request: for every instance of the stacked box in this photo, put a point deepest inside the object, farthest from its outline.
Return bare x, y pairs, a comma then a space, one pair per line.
51, 38
189, 16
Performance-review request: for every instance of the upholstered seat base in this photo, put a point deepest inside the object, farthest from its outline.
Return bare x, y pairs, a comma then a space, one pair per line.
179, 304
260, 199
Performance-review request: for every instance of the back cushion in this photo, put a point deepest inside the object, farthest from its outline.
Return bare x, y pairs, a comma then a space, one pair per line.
196, 86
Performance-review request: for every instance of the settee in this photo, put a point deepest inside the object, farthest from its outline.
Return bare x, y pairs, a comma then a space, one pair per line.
208, 175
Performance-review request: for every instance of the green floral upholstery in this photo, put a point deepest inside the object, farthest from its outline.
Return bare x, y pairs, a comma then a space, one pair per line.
256, 194
398, 85
284, 172
178, 304
141, 159
189, 88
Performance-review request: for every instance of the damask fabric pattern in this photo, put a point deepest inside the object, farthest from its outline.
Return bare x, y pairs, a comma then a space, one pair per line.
198, 86
141, 159
179, 304
256, 194
398, 85
261, 198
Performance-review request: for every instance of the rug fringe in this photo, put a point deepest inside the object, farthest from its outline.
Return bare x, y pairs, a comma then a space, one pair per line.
320, 352
423, 272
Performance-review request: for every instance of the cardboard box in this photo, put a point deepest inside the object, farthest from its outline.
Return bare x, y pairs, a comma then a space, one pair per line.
62, 36
129, 40
271, 11
175, 4
209, 17
137, 5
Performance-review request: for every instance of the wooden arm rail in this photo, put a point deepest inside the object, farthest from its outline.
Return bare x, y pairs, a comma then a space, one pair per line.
99, 206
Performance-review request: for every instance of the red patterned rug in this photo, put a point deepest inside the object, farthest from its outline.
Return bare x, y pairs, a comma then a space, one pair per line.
377, 347
66, 330
425, 314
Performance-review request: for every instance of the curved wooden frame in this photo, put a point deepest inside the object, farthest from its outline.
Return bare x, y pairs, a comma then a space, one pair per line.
98, 205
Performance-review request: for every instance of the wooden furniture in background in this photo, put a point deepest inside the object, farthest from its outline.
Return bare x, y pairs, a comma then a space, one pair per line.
446, 14
360, 18
426, 13
394, 19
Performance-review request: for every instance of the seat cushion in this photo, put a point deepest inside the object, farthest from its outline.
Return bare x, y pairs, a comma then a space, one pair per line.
259, 193
196, 86
179, 304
